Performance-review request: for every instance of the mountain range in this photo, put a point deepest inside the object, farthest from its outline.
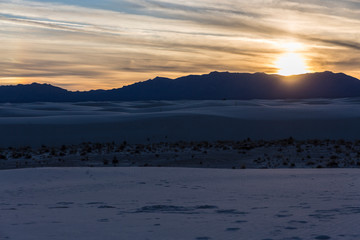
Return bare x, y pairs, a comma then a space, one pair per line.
212, 86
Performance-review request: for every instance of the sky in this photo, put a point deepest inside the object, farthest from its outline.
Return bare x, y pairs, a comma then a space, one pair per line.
88, 44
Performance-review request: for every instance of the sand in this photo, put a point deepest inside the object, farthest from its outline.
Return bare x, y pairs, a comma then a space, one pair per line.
54, 124
177, 203
107, 199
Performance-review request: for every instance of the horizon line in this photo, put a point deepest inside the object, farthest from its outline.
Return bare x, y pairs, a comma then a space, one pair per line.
204, 74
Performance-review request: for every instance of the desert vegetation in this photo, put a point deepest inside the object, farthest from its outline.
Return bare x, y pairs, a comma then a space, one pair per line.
248, 153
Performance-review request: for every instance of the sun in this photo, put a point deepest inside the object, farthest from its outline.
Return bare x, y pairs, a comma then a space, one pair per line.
291, 62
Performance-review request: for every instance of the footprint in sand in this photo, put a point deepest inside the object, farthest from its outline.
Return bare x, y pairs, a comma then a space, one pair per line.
322, 237
233, 229
103, 220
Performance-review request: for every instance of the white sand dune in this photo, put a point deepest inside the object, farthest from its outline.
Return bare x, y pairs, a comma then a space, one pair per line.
34, 124
176, 203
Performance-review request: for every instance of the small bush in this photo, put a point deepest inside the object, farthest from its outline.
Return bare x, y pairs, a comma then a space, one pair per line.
115, 160
332, 164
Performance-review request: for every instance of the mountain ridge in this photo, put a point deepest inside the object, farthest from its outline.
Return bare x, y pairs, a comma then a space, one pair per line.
212, 86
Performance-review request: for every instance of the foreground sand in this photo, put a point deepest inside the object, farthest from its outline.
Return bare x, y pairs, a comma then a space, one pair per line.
176, 203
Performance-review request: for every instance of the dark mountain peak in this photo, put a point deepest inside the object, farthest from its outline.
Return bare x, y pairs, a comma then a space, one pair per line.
216, 73
40, 84
47, 86
34, 92
160, 79
32, 86
36, 84
211, 86
323, 76
262, 74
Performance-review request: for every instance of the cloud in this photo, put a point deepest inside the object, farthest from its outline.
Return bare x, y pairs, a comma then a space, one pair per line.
127, 41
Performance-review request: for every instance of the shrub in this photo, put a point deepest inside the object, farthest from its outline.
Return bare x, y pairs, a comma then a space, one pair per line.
115, 161
332, 164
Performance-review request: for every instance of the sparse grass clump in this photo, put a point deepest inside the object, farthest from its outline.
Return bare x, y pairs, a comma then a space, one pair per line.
332, 164
115, 161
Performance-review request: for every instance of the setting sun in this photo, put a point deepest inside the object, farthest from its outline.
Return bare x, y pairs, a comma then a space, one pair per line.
291, 62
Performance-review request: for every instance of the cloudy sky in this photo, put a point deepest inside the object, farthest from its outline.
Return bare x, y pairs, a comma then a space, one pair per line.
88, 44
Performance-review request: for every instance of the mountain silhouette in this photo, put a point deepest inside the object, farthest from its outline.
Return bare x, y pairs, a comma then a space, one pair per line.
212, 86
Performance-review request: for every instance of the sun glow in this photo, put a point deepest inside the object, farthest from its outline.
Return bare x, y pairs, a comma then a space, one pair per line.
291, 62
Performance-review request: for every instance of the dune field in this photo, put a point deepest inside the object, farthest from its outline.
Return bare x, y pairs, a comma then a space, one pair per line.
54, 124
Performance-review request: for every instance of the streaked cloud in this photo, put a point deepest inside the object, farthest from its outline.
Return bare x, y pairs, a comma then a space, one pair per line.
111, 43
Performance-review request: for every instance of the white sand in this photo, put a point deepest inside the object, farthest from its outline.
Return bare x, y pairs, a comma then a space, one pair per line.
176, 203
136, 122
